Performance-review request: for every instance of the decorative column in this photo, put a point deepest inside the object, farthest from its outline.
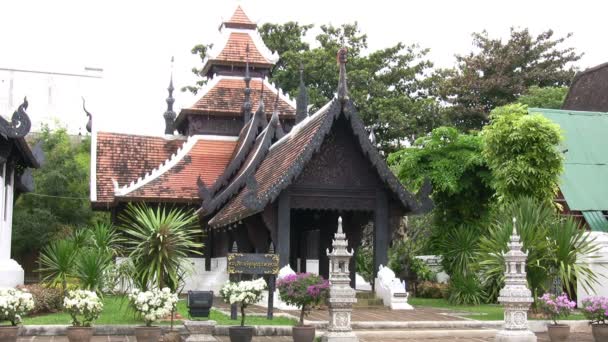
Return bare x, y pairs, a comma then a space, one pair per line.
515, 296
341, 295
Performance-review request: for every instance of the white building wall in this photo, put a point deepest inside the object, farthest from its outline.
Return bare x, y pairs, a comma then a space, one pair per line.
11, 273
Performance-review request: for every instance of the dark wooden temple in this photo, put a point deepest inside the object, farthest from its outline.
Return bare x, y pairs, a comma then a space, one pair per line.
258, 167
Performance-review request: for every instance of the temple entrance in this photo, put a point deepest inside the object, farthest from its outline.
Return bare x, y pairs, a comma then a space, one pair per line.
313, 230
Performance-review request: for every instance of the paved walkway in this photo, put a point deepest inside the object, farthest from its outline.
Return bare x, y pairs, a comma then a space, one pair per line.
541, 338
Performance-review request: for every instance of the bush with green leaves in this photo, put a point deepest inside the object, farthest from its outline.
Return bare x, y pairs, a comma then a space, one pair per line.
465, 290
432, 289
158, 242
46, 299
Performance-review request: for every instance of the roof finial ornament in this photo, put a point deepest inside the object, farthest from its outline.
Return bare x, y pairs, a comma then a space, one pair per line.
19, 125
260, 111
302, 100
169, 113
89, 125
372, 136
247, 102
342, 89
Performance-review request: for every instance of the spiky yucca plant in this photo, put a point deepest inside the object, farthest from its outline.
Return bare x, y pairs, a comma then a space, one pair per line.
158, 241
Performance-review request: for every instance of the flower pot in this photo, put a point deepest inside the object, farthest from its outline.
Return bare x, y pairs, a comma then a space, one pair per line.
147, 334
172, 336
303, 333
558, 332
240, 334
8, 333
600, 332
79, 334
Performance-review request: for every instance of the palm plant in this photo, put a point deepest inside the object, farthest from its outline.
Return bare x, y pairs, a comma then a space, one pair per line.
104, 236
159, 241
56, 261
90, 266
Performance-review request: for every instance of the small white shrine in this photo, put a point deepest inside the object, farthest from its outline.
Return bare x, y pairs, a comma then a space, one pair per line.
515, 296
341, 295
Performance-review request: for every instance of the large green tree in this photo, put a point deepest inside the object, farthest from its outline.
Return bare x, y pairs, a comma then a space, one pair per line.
498, 71
394, 88
60, 201
546, 97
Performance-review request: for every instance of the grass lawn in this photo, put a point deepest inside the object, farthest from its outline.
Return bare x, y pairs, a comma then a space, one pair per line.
116, 310
483, 312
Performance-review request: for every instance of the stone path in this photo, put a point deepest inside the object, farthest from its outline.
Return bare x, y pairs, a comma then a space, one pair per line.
541, 338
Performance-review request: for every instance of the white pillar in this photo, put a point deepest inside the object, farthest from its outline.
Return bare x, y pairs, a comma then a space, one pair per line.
11, 273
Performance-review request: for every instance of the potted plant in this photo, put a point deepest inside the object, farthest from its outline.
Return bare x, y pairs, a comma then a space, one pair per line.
556, 307
304, 290
152, 305
84, 307
595, 310
13, 304
243, 293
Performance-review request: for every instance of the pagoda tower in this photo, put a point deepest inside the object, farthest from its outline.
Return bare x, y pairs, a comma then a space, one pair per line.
236, 69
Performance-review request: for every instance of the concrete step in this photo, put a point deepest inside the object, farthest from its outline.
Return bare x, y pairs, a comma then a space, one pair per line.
425, 333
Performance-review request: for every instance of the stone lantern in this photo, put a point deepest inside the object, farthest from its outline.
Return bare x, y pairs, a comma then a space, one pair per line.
515, 296
341, 295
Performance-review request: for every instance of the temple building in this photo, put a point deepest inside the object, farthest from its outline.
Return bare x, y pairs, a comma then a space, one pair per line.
259, 169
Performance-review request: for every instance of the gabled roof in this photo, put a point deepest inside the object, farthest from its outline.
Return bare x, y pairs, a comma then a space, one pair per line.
124, 158
239, 19
176, 178
584, 182
589, 90
287, 157
224, 95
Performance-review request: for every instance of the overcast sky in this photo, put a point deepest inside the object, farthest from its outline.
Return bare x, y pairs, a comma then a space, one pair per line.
133, 41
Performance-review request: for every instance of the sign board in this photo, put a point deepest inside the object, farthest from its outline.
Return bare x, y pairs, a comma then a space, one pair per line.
253, 263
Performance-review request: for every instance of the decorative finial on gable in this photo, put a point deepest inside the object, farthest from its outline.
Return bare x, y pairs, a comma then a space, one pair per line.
260, 111
89, 125
372, 136
302, 100
342, 88
247, 102
169, 113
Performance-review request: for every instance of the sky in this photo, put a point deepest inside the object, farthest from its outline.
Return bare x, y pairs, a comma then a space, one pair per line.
133, 41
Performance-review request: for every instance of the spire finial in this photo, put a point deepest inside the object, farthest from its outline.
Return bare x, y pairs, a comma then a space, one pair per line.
89, 125
247, 102
169, 113
302, 100
342, 89
340, 225
514, 224
372, 136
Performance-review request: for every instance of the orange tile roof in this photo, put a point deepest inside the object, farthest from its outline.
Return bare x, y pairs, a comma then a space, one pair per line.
207, 158
227, 97
239, 17
235, 50
125, 157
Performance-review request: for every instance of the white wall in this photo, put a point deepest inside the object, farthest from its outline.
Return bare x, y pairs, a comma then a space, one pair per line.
598, 263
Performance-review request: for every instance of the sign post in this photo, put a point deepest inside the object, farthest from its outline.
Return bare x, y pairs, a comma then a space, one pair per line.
255, 264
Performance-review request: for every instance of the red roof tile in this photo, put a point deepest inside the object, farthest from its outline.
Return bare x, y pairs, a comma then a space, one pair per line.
207, 158
239, 17
227, 97
125, 157
235, 50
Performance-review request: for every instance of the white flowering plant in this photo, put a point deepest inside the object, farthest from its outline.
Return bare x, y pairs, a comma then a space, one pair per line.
153, 304
13, 304
83, 306
243, 293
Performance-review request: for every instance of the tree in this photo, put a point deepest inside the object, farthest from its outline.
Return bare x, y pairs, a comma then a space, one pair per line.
547, 97
522, 152
60, 201
394, 88
498, 72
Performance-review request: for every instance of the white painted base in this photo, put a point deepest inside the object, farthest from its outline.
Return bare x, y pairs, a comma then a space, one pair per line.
515, 336
340, 337
361, 284
312, 266
11, 273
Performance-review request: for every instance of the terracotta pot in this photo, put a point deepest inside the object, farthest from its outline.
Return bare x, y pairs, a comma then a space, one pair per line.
8, 333
79, 334
558, 332
147, 334
240, 334
303, 333
172, 336
600, 332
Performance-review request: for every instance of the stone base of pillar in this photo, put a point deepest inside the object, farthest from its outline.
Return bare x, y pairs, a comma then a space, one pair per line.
200, 331
515, 336
335, 336
11, 273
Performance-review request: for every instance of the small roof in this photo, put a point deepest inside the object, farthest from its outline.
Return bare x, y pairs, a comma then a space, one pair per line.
589, 90
175, 179
584, 182
239, 19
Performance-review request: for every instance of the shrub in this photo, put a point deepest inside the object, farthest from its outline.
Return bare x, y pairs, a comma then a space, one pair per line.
153, 304
595, 309
304, 290
46, 299
13, 304
244, 293
465, 289
430, 289
556, 307
83, 306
